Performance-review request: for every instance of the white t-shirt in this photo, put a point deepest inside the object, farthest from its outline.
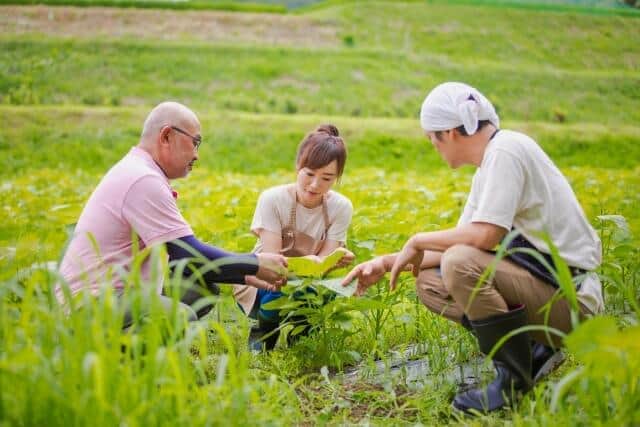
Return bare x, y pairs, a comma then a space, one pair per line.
517, 185
272, 214
274, 208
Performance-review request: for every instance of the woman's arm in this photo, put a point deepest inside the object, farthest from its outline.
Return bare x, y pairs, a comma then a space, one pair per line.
271, 242
328, 247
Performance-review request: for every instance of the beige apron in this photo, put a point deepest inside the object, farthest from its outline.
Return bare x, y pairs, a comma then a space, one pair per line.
294, 243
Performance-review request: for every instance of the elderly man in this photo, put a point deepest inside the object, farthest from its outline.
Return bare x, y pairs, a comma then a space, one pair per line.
134, 208
516, 187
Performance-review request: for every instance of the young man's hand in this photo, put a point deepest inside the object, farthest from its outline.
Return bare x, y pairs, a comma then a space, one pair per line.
409, 256
367, 273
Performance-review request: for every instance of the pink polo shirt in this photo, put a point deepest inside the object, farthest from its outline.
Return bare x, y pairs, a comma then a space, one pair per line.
134, 196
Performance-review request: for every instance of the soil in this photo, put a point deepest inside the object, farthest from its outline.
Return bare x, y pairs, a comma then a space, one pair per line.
155, 24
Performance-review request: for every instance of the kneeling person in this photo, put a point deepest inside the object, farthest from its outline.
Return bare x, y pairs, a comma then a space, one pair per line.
306, 218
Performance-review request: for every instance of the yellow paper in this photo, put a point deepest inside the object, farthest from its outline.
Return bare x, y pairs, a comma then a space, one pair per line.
305, 267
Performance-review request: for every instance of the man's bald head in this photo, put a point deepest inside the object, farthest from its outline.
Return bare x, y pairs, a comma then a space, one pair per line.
171, 135
167, 114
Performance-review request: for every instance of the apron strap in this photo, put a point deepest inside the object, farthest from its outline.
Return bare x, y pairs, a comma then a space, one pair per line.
325, 215
292, 211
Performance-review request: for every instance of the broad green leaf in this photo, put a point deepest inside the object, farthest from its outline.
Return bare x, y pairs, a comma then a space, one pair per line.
336, 286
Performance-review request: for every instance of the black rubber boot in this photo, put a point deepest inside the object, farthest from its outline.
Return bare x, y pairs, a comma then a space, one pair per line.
466, 323
264, 336
512, 362
544, 360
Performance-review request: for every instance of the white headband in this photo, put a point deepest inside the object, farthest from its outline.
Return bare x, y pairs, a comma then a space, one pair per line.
453, 104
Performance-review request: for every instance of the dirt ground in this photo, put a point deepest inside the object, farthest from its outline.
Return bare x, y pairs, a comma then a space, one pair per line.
154, 24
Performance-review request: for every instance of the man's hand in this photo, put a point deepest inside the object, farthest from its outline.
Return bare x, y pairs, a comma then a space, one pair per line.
272, 272
367, 273
261, 284
409, 255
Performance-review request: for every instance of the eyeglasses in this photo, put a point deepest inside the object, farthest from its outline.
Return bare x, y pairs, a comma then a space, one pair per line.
197, 140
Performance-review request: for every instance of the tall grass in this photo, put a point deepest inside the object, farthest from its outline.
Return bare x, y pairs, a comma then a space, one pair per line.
81, 368
568, 79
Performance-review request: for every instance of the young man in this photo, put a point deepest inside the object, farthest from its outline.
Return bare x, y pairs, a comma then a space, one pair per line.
516, 187
135, 199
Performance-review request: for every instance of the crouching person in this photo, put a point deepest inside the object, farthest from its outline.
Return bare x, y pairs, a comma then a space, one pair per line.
306, 218
134, 207
516, 187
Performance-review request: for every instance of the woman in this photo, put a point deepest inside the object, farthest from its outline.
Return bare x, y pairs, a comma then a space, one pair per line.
305, 218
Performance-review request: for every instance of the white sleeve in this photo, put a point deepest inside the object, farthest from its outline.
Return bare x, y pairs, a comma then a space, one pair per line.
340, 224
266, 215
470, 204
499, 193
467, 212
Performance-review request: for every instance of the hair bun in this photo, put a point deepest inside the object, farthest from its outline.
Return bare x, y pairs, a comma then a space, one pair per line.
328, 128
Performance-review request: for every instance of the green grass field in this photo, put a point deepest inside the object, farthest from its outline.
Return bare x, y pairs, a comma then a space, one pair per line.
75, 86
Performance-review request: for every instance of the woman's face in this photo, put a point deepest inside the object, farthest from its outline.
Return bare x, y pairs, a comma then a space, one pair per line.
313, 184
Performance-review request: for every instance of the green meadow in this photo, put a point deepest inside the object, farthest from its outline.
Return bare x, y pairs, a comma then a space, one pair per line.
76, 85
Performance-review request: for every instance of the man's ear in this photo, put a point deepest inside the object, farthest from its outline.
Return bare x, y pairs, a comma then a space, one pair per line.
454, 134
164, 135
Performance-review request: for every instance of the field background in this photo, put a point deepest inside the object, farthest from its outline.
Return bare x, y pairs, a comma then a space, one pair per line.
77, 82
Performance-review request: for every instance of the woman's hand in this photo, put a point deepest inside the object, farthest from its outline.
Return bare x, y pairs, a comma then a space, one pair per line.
314, 258
410, 255
346, 259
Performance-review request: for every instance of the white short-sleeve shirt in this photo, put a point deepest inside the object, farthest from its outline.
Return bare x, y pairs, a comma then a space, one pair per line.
518, 186
272, 214
274, 208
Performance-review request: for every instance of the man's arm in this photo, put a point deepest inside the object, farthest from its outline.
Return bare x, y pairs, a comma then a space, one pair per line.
431, 259
265, 271
370, 272
481, 235
232, 267
426, 253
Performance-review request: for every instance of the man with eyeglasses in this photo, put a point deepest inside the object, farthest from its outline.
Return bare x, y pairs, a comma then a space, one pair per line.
134, 207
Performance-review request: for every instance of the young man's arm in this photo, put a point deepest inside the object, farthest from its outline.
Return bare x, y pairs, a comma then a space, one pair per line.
370, 272
481, 235
431, 246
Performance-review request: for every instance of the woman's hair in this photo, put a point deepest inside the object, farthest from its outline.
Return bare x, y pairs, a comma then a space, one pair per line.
321, 147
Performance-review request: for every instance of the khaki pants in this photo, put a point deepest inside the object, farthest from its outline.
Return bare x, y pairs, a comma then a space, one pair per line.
451, 291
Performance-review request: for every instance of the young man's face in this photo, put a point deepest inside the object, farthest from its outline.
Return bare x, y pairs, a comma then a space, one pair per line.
446, 146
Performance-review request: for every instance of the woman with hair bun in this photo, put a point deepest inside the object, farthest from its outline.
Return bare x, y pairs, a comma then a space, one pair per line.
305, 218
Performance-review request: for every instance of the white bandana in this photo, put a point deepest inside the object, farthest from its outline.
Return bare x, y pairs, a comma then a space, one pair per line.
453, 104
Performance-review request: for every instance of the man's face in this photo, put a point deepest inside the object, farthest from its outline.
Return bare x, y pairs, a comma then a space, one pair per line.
181, 149
446, 146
